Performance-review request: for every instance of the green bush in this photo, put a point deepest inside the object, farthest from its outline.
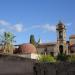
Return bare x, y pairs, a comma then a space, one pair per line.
62, 57
46, 58
71, 58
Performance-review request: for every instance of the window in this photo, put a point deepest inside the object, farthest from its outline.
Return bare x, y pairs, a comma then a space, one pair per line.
60, 35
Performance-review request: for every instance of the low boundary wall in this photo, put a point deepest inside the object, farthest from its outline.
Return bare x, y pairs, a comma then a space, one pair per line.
63, 68
13, 65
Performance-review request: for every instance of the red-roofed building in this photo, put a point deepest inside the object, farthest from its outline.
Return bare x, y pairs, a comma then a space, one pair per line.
72, 39
27, 49
72, 49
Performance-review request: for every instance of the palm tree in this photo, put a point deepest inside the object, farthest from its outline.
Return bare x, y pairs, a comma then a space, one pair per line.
7, 40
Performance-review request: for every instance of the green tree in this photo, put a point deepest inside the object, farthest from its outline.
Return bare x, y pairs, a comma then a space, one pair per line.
7, 40
32, 39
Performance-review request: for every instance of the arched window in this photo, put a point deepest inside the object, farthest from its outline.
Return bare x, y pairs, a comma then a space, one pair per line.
60, 35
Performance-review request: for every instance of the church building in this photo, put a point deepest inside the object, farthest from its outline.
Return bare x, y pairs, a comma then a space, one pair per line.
55, 48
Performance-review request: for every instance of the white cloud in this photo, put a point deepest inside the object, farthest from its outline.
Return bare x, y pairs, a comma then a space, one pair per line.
48, 27
7, 26
3, 22
18, 27
44, 28
69, 24
33, 27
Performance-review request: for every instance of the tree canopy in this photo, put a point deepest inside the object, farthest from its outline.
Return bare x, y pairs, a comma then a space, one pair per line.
7, 40
32, 39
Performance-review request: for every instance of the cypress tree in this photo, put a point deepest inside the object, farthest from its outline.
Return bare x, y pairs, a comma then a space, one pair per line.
32, 39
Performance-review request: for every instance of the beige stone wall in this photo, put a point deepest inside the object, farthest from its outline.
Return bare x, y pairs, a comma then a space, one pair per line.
40, 50
49, 50
72, 41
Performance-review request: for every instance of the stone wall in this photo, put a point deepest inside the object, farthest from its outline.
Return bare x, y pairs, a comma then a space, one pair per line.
63, 68
13, 65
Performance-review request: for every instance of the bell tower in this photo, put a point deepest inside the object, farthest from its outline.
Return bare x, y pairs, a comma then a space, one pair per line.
61, 38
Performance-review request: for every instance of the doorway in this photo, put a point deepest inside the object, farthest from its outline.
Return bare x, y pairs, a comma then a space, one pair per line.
61, 49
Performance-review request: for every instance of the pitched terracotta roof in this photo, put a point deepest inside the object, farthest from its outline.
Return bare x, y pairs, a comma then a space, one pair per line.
72, 36
73, 45
44, 45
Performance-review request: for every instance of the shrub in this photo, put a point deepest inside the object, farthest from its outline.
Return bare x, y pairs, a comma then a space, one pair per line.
62, 57
71, 58
46, 58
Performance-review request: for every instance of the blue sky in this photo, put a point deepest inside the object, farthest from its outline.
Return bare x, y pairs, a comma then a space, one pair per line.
38, 17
